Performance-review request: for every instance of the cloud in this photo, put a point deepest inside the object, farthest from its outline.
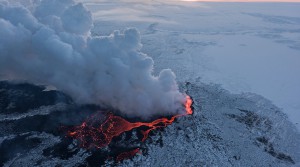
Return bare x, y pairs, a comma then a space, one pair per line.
51, 44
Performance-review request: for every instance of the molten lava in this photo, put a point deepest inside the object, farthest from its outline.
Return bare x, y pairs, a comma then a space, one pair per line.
100, 136
188, 105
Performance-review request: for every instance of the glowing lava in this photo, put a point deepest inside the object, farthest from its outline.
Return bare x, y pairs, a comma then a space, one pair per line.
188, 105
100, 136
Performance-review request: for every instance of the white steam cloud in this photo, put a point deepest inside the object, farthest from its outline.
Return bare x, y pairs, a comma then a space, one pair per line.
50, 43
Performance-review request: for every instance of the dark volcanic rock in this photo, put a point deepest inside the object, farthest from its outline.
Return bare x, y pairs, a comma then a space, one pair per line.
22, 97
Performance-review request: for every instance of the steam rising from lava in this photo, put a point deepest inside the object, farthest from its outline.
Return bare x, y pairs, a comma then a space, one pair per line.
50, 42
99, 136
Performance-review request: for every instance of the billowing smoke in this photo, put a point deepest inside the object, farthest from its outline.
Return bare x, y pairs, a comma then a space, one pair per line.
49, 42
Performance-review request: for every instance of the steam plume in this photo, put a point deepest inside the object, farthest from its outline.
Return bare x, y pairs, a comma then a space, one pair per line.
50, 43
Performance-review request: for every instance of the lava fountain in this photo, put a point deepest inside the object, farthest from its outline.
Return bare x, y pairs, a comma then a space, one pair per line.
100, 136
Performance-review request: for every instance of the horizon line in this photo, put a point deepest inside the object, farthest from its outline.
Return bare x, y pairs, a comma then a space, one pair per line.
262, 1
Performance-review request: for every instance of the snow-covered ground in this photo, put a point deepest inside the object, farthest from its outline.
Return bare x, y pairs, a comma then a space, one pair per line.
244, 47
225, 130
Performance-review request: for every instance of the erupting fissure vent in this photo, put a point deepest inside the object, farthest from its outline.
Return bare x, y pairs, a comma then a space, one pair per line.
100, 136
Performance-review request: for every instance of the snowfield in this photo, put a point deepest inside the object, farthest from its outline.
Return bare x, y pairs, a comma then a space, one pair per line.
245, 47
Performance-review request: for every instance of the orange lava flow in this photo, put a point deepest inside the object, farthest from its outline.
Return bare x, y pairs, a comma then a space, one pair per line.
188, 105
100, 136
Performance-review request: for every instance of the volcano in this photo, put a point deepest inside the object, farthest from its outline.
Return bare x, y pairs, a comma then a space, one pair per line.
228, 57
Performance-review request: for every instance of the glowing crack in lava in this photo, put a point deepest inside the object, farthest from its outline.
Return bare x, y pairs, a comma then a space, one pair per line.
128, 154
100, 136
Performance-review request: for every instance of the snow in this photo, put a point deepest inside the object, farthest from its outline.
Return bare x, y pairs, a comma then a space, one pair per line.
271, 72
252, 47
225, 130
